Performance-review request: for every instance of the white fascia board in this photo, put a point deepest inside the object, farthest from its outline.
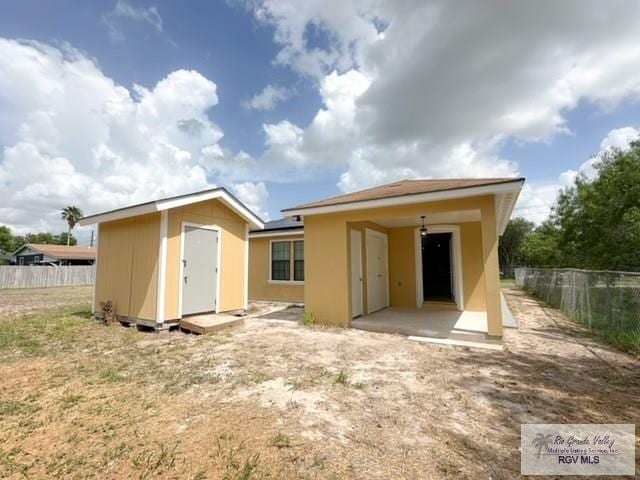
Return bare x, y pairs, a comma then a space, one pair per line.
408, 199
277, 233
505, 213
118, 215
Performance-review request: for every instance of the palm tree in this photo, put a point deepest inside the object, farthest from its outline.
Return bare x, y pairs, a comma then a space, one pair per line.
541, 441
71, 215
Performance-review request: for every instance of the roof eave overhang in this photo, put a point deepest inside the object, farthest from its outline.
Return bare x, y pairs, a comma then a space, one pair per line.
160, 205
277, 233
498, 189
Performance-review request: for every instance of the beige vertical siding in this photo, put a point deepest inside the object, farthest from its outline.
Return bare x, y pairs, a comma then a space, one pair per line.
128, 266
232, 255
259, 286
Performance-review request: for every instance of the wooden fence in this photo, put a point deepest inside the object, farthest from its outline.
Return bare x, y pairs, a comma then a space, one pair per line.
46, 276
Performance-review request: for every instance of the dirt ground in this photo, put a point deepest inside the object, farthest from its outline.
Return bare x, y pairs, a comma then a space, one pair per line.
275, 399
21, 301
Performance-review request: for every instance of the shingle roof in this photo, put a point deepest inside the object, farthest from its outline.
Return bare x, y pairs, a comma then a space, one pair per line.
72, 252
282, 224
405, 187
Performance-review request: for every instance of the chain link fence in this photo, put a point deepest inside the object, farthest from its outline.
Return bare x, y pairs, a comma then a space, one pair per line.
605, 301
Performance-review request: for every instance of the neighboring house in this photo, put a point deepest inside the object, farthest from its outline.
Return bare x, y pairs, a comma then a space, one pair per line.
162, 260
48, 254
276, 261
364, 251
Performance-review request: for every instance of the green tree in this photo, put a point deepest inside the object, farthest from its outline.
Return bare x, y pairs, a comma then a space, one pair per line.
540, 248
71, 215
510, 245
8, 241
599, 220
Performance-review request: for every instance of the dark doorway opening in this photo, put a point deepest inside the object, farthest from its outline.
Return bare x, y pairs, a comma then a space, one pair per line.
436, 268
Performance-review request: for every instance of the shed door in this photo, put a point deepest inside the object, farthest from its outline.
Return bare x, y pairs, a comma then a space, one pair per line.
199, 270
377, 274
356, 273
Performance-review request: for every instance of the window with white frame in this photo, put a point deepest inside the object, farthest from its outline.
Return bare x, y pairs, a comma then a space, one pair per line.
287, 261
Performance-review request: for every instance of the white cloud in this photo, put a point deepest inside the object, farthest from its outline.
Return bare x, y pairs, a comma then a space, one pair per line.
537, 199
254, 195
268, 98
433, 89
124, 11
617, 139
71, 135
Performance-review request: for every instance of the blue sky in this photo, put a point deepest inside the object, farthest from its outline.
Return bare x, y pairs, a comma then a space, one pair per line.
369, 93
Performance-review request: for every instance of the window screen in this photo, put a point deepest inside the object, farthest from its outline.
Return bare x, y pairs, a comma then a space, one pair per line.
280, 261
298, 260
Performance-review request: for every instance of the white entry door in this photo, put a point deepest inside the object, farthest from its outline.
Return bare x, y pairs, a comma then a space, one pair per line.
199, 270
377, 271
356, 273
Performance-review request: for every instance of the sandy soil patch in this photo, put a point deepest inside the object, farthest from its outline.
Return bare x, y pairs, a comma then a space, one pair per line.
278, 400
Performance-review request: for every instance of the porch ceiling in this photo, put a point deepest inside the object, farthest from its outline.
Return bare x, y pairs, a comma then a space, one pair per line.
441, 218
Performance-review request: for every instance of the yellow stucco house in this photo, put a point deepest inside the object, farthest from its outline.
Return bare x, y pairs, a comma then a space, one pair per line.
418, 257
414, 257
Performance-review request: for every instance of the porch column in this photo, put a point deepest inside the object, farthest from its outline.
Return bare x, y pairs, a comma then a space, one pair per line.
490, 266
327, 289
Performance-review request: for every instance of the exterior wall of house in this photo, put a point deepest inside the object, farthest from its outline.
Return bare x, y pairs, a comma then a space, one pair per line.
260, 288
473, 278
232, 253
328, 262
402, 266
128, 266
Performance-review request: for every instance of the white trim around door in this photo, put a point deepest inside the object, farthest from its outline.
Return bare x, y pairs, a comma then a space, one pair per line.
219, 267
374, 233
162, 267
456, 270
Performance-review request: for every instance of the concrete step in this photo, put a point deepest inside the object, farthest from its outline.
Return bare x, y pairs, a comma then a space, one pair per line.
458, 343
210, 323
467, 335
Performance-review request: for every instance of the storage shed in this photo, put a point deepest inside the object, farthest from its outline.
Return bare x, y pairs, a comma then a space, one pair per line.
162, 260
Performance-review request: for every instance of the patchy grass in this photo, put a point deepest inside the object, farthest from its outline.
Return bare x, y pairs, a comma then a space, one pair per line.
281, 440
309, 319
342, 378
266, 401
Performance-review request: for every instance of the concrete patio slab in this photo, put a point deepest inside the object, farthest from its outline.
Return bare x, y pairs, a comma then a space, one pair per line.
425, 322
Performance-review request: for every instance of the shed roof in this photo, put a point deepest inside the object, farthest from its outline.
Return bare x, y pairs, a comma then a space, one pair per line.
220, 193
